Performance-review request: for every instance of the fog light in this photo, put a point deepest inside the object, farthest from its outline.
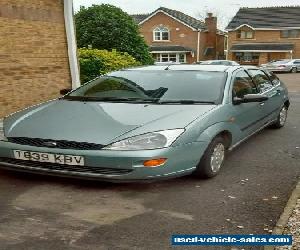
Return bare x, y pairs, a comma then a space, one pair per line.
155, 162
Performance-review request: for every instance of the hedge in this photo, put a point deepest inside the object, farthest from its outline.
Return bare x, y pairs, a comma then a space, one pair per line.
94, 62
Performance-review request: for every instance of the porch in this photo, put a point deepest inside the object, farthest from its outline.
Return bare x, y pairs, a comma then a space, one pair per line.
260, 53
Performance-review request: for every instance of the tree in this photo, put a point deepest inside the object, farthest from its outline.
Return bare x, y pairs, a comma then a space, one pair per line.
108, 27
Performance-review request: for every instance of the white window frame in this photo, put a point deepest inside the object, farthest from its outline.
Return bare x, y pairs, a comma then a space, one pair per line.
160, 31
246, 34
160, 56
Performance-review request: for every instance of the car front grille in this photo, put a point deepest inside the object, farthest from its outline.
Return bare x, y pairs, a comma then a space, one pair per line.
55, 143
54, 167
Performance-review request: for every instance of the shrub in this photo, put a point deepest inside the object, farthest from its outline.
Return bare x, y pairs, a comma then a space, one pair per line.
94, 62
108, 27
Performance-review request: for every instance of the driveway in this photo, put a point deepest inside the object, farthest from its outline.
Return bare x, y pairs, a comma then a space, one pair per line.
247, 197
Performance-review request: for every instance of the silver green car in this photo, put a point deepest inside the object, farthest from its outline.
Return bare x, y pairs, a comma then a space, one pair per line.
145, 123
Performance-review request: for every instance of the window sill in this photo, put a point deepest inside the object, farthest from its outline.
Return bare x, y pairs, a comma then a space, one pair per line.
246, 39
161, 41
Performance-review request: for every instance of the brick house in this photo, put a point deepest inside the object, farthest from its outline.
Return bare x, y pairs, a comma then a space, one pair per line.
175, 36
37, 52
260, 35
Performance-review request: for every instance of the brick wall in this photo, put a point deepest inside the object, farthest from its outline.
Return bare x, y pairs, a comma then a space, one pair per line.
33, 53
220, 47
265, 36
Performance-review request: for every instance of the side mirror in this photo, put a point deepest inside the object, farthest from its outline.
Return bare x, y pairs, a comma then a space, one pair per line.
65, 91
250, 98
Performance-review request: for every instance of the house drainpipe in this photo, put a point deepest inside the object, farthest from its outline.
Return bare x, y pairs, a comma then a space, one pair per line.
71, 40
198, 46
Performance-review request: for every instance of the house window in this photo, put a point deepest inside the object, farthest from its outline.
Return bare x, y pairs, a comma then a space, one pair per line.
290, 33
247, 57
242, 34
182, 58
171, 57
161, 34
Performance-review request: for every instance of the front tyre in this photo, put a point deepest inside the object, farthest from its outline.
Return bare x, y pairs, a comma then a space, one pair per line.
294, 70
281, 118
212, 159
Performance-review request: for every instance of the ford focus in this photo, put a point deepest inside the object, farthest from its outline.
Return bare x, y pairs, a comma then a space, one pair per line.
145, 123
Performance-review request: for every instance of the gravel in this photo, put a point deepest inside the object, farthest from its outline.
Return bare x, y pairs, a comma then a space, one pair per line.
293, 228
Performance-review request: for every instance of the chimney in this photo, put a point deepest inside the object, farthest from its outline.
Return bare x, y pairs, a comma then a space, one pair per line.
211, 37
211, 22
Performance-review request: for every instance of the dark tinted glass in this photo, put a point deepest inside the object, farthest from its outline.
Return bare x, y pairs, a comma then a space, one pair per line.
243, 85
261, 80
274, 79
157, 85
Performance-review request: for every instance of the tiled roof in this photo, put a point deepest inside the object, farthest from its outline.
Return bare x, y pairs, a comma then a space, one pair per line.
270, 17
262, 47
173, 48
186, 19
139, 17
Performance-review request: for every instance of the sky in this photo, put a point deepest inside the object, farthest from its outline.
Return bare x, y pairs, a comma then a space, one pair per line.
224, 9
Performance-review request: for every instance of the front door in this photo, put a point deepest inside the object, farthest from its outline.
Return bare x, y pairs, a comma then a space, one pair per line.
247, 116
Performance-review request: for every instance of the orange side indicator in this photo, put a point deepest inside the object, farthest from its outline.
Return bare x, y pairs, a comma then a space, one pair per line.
155, 162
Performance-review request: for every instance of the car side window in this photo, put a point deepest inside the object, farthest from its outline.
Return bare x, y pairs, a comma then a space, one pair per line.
243, 85
261, 80
274, 79
297, 62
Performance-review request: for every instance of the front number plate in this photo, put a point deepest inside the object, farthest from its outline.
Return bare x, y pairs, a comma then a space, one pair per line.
51, 158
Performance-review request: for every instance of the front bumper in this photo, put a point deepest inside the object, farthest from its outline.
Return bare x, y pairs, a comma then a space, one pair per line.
109, 165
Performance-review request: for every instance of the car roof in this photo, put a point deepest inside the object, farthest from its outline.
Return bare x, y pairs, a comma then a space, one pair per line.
192, 67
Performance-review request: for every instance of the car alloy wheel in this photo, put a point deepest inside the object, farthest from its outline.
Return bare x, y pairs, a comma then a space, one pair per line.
217, 157
294, 70
213, 158
282, 116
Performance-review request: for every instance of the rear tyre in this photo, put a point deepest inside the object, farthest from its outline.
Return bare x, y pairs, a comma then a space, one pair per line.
294, 70
212, 159
281, 118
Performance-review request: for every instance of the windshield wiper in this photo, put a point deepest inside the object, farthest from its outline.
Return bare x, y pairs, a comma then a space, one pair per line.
108, 99
185, 102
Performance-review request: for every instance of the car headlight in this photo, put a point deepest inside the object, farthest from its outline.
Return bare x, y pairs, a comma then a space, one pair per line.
2, 136
153, 140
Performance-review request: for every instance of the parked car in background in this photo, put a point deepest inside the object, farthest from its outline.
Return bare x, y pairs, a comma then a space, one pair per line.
219, 62
145, 123
284, 65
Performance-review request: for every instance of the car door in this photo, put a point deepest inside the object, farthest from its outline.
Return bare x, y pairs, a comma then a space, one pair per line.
247, 116
272, 89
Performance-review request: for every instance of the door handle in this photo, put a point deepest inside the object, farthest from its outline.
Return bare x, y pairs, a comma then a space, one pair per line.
261, 103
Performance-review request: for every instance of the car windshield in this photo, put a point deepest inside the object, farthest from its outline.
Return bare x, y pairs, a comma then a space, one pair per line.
154, 86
